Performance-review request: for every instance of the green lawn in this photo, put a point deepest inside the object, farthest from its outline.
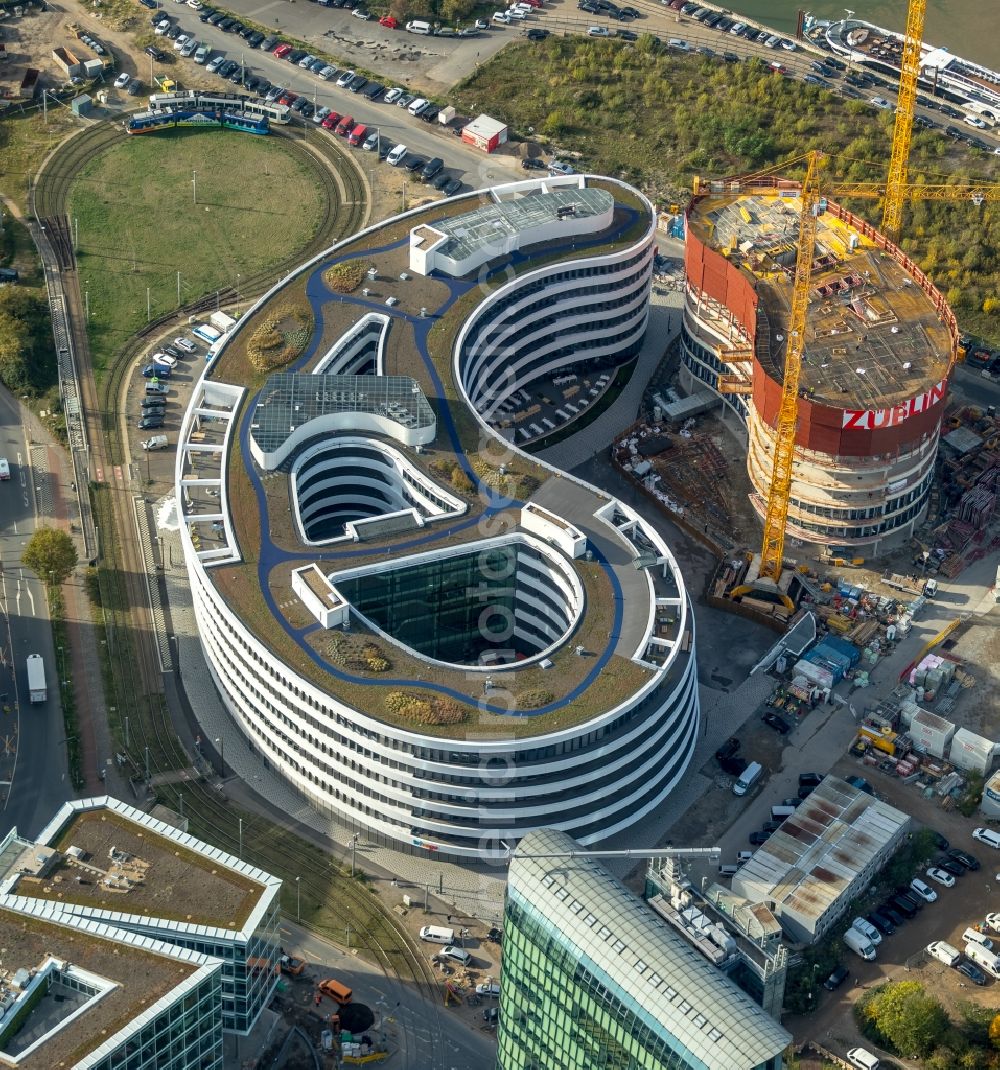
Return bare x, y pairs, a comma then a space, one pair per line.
139, 226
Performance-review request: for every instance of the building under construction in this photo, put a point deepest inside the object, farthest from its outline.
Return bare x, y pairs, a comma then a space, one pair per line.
880, 344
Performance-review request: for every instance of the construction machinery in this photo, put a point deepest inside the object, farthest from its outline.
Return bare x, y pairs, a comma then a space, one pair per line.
765, 579
290, 966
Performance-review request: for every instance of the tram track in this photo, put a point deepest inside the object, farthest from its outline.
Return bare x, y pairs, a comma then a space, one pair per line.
135, 691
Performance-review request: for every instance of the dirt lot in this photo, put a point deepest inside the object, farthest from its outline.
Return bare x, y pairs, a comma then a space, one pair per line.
31, 39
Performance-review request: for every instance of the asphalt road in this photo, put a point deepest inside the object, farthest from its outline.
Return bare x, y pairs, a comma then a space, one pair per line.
422, 1034
34, 779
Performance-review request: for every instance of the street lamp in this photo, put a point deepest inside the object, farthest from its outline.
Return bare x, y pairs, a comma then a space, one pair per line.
354, 849
298, 899
194, 185
222, 755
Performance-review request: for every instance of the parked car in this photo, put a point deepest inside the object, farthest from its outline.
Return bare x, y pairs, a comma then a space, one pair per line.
155, 371
431, 168
451, 187
121, 81
867, 930
735, 766
906, 892
949, 865
812, 780
924, 891
779, 724
135, 87
757, 838
728, 749
836, 978
963, 858
940, 876
488, 988
892, 914
903, 905
973, 972
881, 922
147, 423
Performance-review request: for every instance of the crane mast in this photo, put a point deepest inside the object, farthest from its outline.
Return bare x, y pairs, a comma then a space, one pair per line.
895, 189
788, 413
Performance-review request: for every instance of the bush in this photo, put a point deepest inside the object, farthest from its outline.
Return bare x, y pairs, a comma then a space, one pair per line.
461, 482
346, 277
424, 709
534, 698
281, 337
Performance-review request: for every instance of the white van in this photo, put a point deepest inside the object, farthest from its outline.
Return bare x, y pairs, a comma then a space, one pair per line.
943, 952
419, 27
728, 870
779, 813
973, 936
396, 155
863, 1059
860, 944
437, 934
753, 772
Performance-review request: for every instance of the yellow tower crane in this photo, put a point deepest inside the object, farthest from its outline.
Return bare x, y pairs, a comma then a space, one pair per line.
895, 190
776, 514
909, 72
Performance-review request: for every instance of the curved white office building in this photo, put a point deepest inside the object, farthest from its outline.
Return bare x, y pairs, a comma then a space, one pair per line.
428, 632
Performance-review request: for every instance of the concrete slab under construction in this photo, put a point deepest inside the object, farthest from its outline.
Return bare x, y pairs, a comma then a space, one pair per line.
873, 338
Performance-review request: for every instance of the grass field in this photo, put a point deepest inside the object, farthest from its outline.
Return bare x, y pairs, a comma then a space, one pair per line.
139, 225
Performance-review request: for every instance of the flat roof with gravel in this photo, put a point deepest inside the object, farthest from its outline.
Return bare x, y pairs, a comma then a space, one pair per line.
115, 860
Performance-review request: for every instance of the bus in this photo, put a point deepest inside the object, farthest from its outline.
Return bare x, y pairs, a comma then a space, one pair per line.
193, 99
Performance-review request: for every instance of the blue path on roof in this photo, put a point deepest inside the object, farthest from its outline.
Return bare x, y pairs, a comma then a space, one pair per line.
319, 297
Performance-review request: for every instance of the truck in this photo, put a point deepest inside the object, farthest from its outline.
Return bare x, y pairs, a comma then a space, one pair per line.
860, 944
906, 584
291, 966
37, 690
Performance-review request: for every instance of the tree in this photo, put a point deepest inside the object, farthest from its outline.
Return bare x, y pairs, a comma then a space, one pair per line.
909, 1019
51, 554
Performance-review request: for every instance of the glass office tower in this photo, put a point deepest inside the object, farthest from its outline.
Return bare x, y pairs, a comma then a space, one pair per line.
592, 979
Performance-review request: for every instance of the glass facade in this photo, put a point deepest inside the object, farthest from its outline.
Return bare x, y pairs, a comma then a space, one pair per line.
452, 609
248, 967
186, 1036
560, 1011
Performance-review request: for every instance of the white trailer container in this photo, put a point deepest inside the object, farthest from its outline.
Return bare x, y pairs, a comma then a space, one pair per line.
931, 733
971, 751
37, 689
989, 961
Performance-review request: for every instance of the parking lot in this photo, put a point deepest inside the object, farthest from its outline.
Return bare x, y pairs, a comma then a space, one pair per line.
156, 466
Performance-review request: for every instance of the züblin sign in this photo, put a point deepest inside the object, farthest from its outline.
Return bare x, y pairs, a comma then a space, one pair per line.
872, 419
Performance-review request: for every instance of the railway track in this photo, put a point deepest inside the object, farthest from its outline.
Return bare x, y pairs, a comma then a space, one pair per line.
133, 680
